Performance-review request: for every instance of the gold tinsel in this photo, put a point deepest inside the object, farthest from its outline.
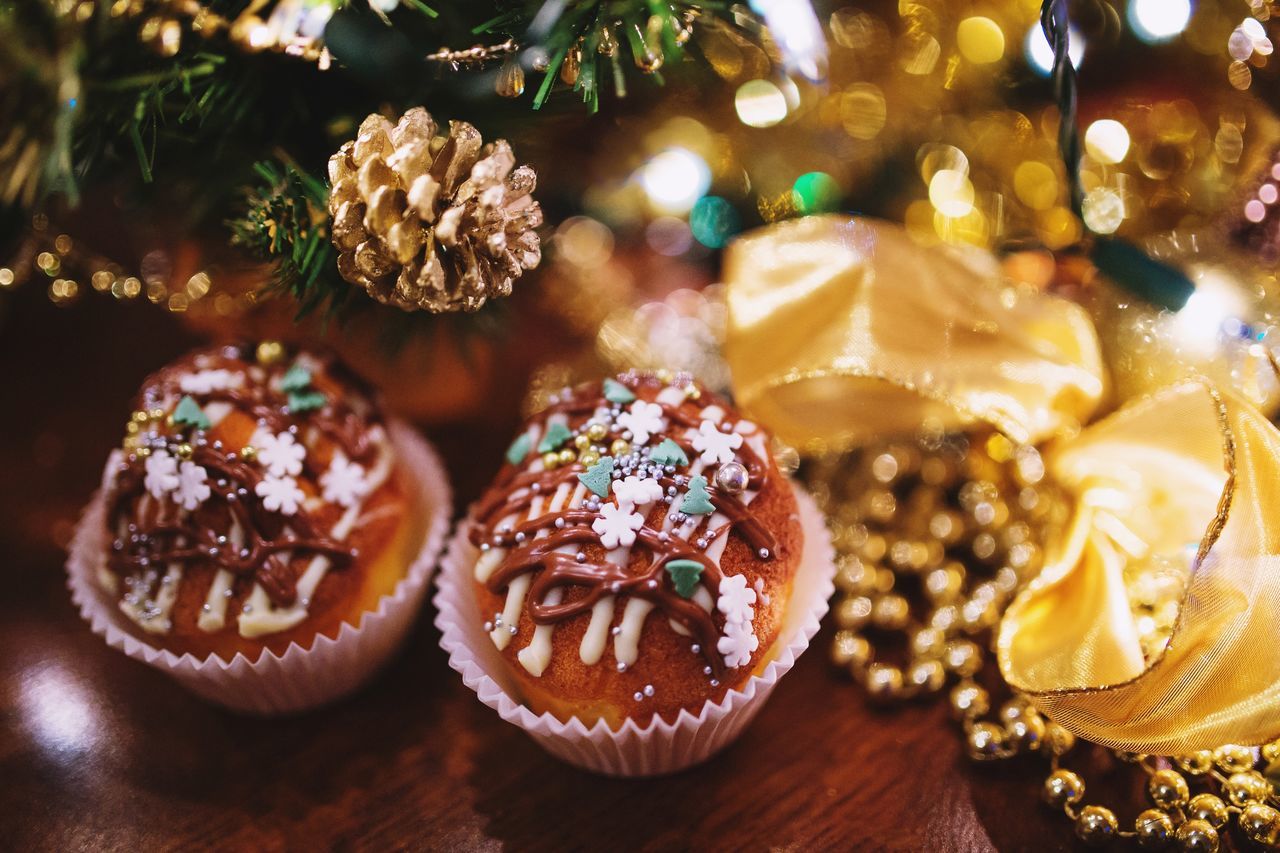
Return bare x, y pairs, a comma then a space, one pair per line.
430, 222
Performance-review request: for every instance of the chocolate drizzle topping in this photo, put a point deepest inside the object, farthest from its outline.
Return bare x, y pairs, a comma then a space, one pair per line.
162, 532
517, 487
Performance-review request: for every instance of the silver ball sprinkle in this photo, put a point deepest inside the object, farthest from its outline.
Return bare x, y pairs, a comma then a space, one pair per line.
622, 667
732, 478
648, 690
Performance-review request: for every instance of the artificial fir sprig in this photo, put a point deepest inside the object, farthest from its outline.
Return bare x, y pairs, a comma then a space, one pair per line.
285, 220
586, 42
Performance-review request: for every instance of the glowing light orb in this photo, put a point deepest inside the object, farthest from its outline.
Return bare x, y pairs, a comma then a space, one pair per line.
1107, 141
1158, 20
1040, 53
980, 40
951, 193
675, 179
760, 103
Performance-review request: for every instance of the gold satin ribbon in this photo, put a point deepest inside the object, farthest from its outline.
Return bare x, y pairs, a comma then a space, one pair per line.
1189, 477
842, 329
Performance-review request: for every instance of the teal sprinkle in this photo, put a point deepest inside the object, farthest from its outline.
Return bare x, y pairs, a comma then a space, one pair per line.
296, 378
557, 434
696, 500
616, 392
189, 413
685, 575
519, 448
598, 476
306, 401
669, 453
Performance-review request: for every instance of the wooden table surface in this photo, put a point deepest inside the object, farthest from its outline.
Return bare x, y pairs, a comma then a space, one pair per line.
100, 752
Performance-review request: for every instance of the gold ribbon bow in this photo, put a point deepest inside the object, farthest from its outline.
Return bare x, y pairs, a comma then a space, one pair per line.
841, 329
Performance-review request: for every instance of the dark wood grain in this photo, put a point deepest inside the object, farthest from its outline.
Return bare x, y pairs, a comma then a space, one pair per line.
100, 752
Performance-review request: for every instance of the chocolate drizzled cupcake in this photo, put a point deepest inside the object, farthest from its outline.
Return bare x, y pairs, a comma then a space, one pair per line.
635, 555
259, 502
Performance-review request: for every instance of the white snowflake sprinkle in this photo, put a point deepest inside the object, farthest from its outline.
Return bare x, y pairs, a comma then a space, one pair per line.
637, 491
644, 419
280, 494
193, 486
735, 599
344, 483
162, 474
617, 525
714, 445
280, 454
208, 381
737, 644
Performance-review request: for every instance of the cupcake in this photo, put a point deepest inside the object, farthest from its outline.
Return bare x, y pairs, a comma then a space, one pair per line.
261, 507
635, 564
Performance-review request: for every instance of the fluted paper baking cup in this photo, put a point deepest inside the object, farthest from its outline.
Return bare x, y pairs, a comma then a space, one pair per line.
631, 750
299, 678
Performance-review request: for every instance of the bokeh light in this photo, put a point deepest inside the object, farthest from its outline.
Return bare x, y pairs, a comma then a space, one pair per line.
760, 103
951, 193
713, 221
1158, 20
584, 242
1216, 300
1040, 53
816, 192
863, 110
675, 179
980, 40
669, 236
1103, 210
1107, 141
1036, 184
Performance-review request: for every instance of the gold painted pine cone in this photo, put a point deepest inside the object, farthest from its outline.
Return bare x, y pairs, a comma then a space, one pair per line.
437, 223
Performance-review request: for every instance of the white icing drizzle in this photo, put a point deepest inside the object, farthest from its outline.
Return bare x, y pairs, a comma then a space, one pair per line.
262, 617
488, 561
213, 616
535, 656
151, 612
597, 635
501, 633
626, 646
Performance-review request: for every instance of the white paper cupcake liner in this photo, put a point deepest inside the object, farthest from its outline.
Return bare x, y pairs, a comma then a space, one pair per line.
299, 678
660, 746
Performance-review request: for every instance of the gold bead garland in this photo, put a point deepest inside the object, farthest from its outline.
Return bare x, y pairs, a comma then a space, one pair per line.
934, 537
